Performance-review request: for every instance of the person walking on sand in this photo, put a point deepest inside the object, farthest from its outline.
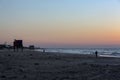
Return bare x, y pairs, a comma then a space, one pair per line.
96, 54
43, 50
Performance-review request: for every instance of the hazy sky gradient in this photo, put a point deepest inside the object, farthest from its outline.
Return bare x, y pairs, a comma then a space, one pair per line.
61, 23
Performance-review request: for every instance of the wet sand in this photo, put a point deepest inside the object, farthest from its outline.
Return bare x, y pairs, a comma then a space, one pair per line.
32, 65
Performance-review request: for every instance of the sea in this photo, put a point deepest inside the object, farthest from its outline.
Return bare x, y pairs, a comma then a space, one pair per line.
107, 52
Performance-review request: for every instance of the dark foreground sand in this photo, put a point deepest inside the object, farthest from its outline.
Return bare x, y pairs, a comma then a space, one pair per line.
31, 65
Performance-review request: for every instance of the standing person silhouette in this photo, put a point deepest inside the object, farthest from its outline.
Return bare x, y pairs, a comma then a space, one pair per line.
96, 54
43, 50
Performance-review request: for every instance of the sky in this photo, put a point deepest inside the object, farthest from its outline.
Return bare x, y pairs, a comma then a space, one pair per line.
61, 23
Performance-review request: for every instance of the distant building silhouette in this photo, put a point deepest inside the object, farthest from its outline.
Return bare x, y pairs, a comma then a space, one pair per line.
31, 47
2, 46
18, 44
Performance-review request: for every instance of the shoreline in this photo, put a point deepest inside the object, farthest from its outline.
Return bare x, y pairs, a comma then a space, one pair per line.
99, 55
33, 65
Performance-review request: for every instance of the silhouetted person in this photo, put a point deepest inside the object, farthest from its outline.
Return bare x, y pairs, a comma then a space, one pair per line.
17, 44
43, 50
96, 54
14, 45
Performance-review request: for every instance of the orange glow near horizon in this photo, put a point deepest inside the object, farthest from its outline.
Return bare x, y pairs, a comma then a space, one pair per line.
66, 34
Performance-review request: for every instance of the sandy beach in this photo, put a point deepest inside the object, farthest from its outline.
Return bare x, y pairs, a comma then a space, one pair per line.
32, 65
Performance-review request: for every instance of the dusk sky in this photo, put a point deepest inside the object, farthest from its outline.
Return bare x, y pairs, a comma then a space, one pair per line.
61, 23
